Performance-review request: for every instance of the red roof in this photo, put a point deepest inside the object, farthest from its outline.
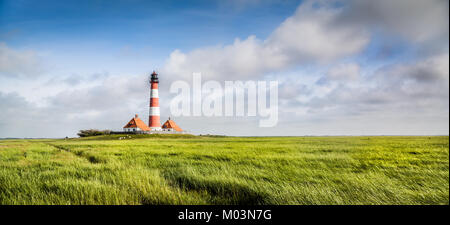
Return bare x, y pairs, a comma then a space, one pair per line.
171, 124
137, 123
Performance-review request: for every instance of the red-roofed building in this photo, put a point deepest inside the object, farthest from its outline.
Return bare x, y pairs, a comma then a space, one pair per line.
170, 125
136, 124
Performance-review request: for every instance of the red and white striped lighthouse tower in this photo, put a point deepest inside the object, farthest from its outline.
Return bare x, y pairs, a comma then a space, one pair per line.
153, 117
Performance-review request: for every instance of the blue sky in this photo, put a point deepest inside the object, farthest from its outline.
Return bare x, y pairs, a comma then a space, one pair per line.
94, 35
345, 67
97, 32
111, 25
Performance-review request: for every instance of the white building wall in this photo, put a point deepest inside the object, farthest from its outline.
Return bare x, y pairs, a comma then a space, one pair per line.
131, 129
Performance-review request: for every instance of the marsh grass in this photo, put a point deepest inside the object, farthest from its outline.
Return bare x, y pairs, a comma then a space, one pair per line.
187, 169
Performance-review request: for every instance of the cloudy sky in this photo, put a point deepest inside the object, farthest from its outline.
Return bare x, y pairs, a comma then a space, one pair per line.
343, 67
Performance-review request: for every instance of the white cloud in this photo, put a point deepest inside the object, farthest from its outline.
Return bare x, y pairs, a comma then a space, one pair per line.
15, 63
308, 36
107, 105
409, 87
432, 69
416, 20
319, 32
348, 71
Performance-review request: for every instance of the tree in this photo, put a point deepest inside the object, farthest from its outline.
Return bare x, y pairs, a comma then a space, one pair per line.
92, 132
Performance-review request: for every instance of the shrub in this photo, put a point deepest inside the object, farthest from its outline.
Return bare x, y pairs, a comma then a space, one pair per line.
92, 132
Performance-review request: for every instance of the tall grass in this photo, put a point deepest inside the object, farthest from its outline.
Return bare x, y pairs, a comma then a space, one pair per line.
187, 169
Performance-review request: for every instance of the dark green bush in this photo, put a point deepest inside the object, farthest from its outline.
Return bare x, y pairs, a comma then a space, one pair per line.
92, 132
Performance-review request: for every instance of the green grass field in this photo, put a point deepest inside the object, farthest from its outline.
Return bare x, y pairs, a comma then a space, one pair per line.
183, 169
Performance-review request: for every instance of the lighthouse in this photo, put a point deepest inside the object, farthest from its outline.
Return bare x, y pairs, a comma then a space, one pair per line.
153, 117
137, 126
